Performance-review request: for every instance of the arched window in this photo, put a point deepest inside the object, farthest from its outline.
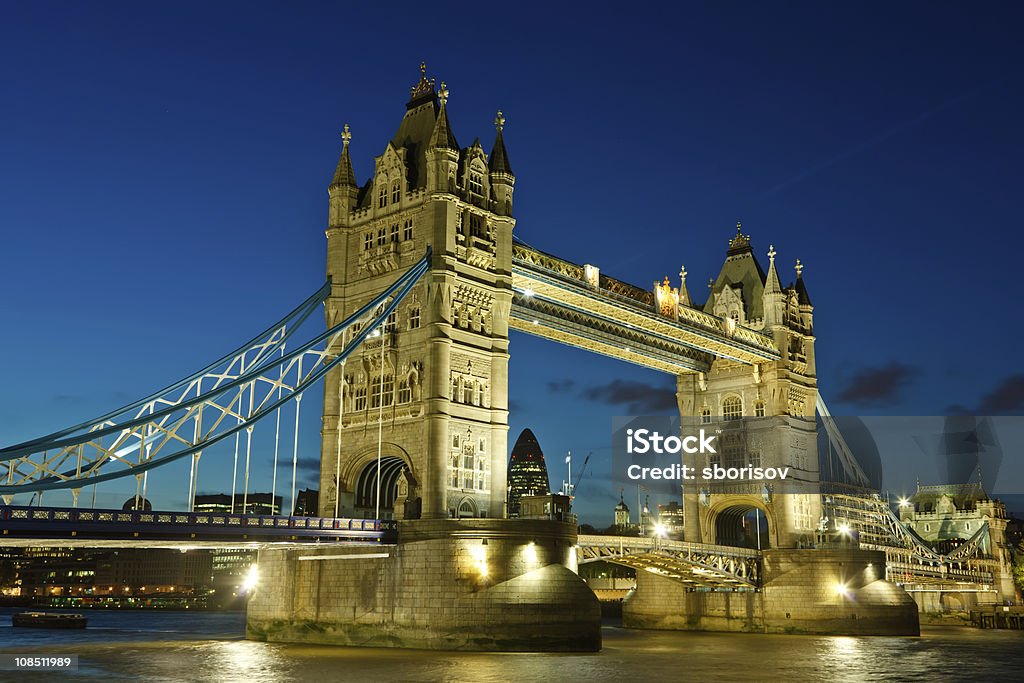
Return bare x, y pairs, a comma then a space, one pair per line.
382, 196
759, 409
705, 415
732, 408
396, 192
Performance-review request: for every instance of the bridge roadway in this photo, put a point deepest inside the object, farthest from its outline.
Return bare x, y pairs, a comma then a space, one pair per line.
698, 565
22, 526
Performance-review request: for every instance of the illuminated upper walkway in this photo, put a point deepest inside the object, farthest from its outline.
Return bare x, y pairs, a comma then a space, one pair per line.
576, 305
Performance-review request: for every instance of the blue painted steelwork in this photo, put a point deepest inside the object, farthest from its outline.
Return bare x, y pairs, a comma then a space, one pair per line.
19, 456
18, 521
286, 326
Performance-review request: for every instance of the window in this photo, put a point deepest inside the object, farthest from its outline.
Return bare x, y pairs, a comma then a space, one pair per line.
455, 392
382, 196
759, 409
388, 389
408, 229
755, 459
479, 399
394, 233
382, 237
705, 416
455, 441
476, 183
360, 398
368, 241
732, 408
396, 192
391, 325
467, 393
467, 461
414, 317
482, 449
404, 391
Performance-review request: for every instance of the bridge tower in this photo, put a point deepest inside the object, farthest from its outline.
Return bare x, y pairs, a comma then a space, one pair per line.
781, 394
437, 377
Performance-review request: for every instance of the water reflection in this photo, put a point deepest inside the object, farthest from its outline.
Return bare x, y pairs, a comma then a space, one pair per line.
208, 647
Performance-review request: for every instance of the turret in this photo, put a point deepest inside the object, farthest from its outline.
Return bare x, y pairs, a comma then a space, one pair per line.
343, 190
502, 178
773, 299
442, 150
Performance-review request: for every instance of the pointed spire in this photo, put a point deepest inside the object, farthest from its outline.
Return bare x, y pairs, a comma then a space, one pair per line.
345, 174
803, 298
684, 294
443, 137
498, 162
772, 284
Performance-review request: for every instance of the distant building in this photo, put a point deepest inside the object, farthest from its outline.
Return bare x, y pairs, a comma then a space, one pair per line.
670, 516
527, 471
139, 503
252, 504
946, 516
307, 503
622, 515
547, 506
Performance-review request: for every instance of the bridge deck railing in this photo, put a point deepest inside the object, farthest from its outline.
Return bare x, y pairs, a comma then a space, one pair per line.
22, 520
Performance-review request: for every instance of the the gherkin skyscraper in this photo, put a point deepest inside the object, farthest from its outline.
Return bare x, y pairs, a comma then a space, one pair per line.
527, 471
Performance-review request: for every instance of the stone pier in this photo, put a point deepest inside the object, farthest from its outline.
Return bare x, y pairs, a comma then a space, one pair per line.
469, 584
837, 591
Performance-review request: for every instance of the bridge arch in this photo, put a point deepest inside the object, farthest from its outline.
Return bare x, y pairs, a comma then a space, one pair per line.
744, 522
359, 481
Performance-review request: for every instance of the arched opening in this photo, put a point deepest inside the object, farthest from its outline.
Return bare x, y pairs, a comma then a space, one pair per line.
744, 526
466, 509
391, 467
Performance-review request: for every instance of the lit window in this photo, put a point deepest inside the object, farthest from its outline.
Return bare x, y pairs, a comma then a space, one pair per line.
396, 192
732, 408
388, 391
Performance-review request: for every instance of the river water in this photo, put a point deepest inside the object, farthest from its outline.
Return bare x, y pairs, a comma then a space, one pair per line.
206, 646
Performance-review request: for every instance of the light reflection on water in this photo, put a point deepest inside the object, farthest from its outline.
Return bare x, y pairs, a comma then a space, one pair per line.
162, 646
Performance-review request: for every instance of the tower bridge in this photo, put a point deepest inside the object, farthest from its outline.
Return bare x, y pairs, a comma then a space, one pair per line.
424, 282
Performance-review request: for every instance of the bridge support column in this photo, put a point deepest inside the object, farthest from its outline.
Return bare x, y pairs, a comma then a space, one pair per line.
468, 584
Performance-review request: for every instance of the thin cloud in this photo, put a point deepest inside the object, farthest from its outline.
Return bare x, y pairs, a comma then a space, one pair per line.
636, 397
875, 386
561, 386
1007, 397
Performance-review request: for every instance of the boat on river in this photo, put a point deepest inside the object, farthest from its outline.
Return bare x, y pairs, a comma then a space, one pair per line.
48, 620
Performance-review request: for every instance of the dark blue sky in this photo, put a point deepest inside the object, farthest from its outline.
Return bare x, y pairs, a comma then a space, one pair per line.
163, 173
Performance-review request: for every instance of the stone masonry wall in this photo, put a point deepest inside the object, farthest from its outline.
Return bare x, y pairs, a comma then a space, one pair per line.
476, 584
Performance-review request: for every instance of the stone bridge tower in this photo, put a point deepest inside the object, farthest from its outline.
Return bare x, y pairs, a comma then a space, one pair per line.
781, 395
438, 374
